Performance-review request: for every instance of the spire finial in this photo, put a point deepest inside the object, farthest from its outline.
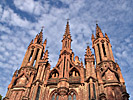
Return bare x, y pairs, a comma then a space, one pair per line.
67, 27
42, 28
96, 22
41, 36
88, 50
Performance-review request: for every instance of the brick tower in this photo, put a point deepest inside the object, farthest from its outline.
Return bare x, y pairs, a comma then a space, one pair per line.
69, 79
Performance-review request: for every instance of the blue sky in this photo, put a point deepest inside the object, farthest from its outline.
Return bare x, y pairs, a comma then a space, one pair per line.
21, 20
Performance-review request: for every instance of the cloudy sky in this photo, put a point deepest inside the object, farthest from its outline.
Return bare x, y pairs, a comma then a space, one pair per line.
21, 20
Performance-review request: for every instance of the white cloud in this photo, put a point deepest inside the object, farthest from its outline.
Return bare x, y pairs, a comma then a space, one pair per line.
25, 5
30, 6
12, 18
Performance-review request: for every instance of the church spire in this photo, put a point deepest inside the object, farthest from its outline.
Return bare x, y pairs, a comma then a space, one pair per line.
66, 42
67, 31
98, 31
41, 36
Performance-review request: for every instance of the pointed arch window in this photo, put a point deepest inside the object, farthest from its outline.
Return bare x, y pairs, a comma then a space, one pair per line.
31, 55
94, 90
38, 93
69, 97
65, 43
72, 96
36, 57
74, 73
99, 52
55, 96
89, 91
103, 49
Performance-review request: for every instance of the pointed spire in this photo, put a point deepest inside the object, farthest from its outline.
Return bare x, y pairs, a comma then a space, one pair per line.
44, 44
67, 27
46, 54
41, 36
98, 31
92, 37
45, 57
45, 41
36, 38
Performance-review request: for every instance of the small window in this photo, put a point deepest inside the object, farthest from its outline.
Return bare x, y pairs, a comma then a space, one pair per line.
38, 93
94, 90
103, 49
89, 92
31, 55
74, 97
99, 52
69, 97
57, 97
53, 97
65, 43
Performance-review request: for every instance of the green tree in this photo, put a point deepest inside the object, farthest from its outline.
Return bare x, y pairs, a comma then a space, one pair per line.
0, 97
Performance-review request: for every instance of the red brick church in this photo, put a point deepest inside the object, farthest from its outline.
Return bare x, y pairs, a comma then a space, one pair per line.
69, 79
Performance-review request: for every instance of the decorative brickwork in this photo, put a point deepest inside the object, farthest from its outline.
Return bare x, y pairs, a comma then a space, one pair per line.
69, 79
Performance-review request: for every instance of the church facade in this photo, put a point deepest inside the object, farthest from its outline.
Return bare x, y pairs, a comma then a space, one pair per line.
99, 78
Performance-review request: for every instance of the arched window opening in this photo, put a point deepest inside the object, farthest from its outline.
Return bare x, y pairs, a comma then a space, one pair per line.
54, 74
69, 97
91, 86
99, 52
55, 96
31, 55
36, 57
89, 92
94, 90
108, 48
65, 43
103, 47
38, 93
72, 96
64, 66
74, 73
